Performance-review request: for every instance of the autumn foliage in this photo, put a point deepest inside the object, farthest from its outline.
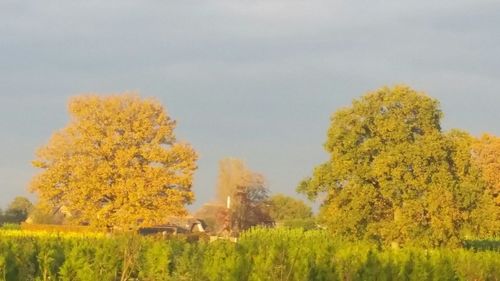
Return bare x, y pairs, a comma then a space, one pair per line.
394, 175
487, 155
116, 163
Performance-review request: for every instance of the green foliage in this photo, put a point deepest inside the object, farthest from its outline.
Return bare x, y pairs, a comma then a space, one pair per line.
289, 212
155, 262
486, 244
282, 207
395, 177
306, 224
17, 211
260, 254
10, 226
226, 262
91, 259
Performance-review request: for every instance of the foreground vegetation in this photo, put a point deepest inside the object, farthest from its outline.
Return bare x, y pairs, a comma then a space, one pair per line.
394, 177
260, 254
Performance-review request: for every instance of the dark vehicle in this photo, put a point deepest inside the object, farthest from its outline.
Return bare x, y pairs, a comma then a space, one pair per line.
191, 226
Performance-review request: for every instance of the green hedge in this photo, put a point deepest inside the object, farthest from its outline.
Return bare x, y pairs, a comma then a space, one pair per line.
59, 228
259, 254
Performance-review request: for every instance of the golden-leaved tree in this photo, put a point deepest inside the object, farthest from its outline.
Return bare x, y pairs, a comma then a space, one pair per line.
473, 188
393, 175
487, 156
116, 163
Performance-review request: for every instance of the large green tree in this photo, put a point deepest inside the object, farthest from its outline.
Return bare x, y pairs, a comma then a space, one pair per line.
392, 173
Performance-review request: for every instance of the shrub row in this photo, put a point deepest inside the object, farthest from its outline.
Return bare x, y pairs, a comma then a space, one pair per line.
58, 228
259, 254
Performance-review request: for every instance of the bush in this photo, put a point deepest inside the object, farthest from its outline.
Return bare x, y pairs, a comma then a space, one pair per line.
259, 254
306, 224
57, 228
10, 226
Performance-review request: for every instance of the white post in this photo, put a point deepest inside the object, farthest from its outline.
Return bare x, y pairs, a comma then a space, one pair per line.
228, 204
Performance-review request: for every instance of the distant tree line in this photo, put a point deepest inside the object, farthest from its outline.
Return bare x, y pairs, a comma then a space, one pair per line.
393, 176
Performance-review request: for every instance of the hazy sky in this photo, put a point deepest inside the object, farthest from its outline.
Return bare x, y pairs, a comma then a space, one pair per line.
256, 79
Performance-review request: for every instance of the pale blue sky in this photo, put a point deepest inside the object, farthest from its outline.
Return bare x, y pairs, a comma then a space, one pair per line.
256, 80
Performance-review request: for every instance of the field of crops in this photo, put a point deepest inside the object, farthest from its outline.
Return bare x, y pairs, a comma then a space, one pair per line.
260, 254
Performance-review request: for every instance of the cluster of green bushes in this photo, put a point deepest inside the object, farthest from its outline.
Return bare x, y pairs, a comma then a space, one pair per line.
259, 254
10, 226
484, 244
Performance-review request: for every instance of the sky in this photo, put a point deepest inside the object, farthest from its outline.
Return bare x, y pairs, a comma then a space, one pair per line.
256, 80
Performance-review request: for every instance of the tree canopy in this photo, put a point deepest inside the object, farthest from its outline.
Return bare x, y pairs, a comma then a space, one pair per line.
282, 207
393, 175
18, 210
248, 193
290, 212
234, 175
117, 162
487, 156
